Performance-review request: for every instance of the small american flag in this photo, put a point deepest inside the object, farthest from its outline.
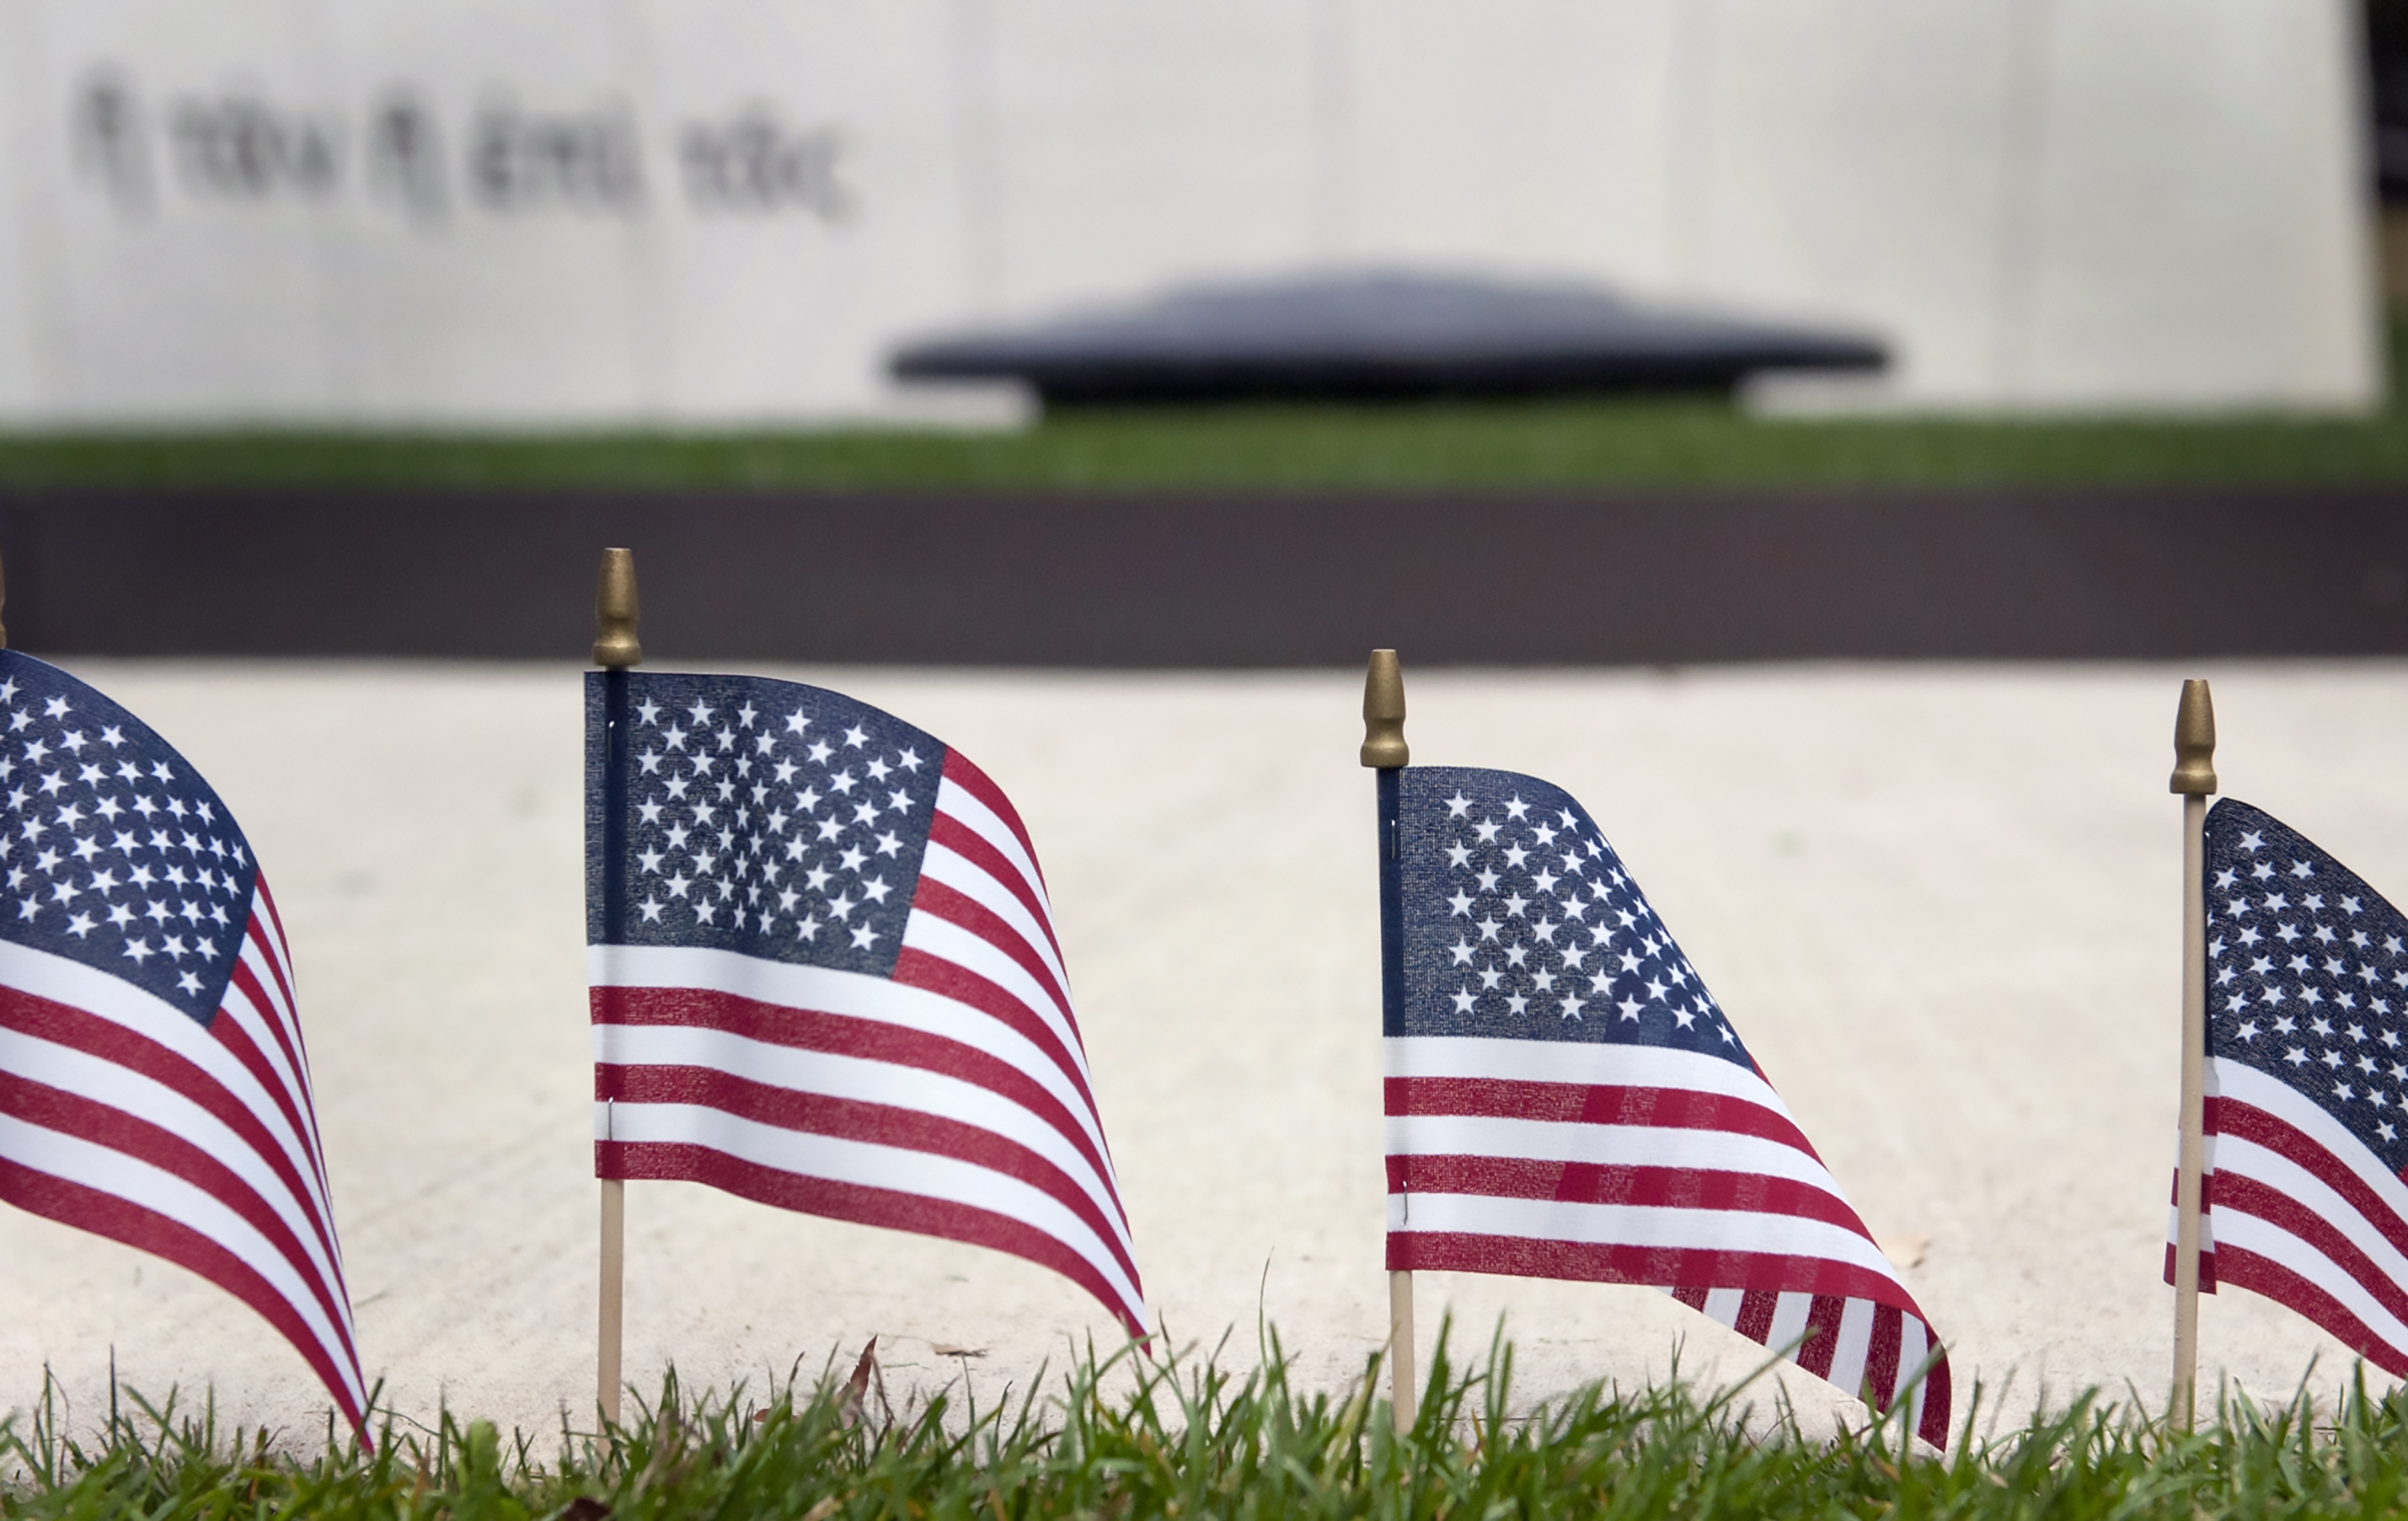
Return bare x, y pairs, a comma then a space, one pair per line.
826, 977
1565, 1099
153, 1086
2307, 1086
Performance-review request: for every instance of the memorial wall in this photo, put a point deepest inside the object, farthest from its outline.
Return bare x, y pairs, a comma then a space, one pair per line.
728, 211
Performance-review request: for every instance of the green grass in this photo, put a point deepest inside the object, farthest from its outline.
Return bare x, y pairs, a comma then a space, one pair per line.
1636, 442
1190, 1441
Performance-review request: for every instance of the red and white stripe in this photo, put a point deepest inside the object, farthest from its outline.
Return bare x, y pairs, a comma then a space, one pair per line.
951, 1100
122, 1116
2298, 1210
1640, 1164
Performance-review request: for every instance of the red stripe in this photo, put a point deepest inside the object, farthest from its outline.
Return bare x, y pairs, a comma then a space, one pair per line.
959, 771
1822, 1342
119, 1220
2252, 1123
88, 1119
1590, 1183
1881, 1357
837, 1034
854, 1119
70, 1026
2248, 1269
1755, 1318
936, 898
1416, 1251
887, 1207
1692, 1295
980, 852
1937, 1397
951, 980
2244, 1195
1590, 1103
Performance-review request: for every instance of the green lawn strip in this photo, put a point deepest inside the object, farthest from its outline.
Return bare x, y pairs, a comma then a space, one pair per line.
1187, 1440
1532, 445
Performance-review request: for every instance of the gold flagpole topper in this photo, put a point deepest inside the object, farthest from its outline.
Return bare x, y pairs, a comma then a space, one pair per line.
615, 643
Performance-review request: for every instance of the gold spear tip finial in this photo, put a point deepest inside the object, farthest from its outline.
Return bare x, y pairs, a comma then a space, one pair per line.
2194, 743
1383, 712
614, 612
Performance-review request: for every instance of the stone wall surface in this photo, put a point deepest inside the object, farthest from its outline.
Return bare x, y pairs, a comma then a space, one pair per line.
725, 211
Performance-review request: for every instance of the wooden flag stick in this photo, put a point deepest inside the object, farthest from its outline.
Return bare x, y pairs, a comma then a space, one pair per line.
615, 649
2194, 779
1384, 751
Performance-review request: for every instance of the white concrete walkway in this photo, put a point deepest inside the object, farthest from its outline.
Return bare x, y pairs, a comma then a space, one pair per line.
1940, 903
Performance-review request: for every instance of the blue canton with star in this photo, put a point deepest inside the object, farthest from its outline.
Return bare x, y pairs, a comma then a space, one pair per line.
763, 817
1520, 922
115, 852
2307, 975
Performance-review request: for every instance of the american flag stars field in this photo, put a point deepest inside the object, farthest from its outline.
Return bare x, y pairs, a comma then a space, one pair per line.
753, 828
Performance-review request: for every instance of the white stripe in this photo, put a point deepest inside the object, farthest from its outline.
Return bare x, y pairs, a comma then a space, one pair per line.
1603, 1146
1856, 1339
974, 882
104, 1081
1723, 1304
948, 942
853, 994
2248, 1085
870, 1166
914, 1088
139, 1183
1646, 1224
2248, 1232
1788, 1330
2246, 1160
959, 803
1589, 1063
153, 1019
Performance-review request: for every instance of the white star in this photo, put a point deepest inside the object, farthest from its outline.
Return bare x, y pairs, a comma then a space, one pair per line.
1462, 950
1572, 1007
1630, 1007
1464, 997
855, 737
1656, 990
864, 937
1462, 904
189, 982
1458, 807
652, 910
